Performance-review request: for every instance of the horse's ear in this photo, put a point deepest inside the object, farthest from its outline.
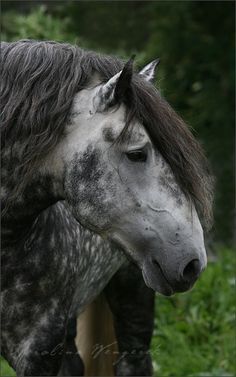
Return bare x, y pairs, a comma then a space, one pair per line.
149, 71
114, 90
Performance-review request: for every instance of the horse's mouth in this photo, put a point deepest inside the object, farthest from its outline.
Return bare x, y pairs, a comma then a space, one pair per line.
153, 275
154, 278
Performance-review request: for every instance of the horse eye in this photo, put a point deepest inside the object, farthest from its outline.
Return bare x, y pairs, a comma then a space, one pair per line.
137, 156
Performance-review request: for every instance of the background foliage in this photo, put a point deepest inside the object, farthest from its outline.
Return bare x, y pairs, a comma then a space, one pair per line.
195, 41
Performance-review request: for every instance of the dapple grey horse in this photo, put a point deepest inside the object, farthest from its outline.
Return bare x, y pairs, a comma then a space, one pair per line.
88, 130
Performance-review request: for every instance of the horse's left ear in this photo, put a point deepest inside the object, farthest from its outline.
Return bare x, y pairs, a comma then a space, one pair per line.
149, 71
114, 90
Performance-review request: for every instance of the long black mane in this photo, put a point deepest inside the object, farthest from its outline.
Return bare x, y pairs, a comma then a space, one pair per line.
39, 82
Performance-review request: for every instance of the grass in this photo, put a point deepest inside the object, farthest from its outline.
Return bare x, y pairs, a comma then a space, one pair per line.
194, 332
5, 370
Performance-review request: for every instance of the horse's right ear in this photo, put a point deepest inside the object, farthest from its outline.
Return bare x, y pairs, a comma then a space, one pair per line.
114, 90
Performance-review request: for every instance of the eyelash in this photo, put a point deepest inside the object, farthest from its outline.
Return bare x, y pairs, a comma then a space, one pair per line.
137, 155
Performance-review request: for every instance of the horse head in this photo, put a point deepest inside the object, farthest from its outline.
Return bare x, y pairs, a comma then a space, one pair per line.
132, 173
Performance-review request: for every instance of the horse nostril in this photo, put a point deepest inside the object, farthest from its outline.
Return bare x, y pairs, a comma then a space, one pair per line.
192, 270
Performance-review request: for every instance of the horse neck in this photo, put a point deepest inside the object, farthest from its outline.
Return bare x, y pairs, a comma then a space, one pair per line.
20, 212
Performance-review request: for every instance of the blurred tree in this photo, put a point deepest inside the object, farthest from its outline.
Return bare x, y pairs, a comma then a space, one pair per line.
195, 41
35, 25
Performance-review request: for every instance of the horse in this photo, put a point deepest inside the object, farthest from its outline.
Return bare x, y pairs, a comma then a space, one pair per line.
89, 145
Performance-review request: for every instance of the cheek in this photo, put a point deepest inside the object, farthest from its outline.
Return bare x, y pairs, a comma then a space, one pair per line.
90, 187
